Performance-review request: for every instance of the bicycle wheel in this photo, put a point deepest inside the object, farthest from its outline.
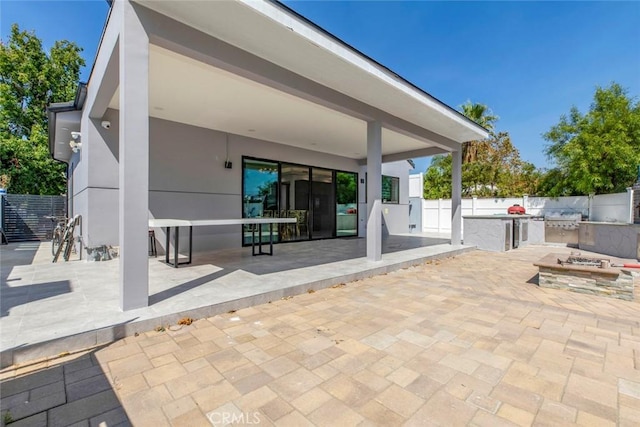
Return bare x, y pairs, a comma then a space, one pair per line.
55, 241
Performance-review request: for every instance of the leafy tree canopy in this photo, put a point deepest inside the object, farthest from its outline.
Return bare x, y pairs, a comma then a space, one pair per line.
482, 115
490, 168
31, 79
497, 171
597, 152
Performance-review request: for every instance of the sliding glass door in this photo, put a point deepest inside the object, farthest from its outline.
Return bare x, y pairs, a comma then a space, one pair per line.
324, 202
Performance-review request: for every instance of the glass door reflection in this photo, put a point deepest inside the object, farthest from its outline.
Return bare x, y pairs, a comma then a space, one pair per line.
260, 190
322, 204
294, 201
346, 204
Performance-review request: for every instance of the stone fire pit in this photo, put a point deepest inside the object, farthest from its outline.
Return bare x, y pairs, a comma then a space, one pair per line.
587, 275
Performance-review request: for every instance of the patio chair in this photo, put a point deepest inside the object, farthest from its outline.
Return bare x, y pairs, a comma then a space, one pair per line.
301, 217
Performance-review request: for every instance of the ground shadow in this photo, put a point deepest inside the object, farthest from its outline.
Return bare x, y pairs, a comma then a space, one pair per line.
535, 280
13, 296
74, 391
184, 287
17, 253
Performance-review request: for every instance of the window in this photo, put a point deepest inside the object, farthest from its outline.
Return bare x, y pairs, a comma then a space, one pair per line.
390, 189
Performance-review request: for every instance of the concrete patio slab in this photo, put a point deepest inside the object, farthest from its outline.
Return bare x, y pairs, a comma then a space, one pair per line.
49, 309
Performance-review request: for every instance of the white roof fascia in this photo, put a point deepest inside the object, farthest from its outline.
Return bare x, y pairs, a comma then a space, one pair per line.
322, 39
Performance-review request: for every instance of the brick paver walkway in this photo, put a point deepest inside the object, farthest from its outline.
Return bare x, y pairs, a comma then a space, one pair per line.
468, 340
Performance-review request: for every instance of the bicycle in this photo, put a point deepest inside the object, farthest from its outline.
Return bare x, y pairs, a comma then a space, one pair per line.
57, 232
65, 244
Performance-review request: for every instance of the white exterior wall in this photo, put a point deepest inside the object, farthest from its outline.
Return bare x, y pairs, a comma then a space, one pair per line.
187, 179
395, 217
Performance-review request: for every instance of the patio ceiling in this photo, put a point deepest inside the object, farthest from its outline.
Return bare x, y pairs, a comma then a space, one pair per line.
185, 90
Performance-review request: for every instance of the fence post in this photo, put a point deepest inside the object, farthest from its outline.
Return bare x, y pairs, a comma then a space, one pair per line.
439, 215
630, 205
3, 193
474, 200
525, 202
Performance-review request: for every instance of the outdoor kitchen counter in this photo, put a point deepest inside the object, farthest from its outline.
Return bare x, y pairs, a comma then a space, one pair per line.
496, 233
611, 238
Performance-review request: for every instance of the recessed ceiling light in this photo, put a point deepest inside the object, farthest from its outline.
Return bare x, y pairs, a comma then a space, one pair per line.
60, 142
65, 128
251, 130
313, 143
158, 108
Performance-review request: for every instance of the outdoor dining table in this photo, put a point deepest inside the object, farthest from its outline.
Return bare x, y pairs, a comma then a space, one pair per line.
255, 223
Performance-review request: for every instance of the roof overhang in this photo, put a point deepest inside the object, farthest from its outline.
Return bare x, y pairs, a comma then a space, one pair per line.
258, 69
64, 118
273, 32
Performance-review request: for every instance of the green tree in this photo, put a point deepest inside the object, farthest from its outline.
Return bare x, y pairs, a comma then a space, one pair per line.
437, 178
31, 79
346, 188
482, 115
597, 152
496, 171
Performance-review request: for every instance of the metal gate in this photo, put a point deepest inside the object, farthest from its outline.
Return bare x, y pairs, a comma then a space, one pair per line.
23, 216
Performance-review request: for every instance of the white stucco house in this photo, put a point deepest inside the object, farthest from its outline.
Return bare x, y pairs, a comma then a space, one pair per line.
231, 109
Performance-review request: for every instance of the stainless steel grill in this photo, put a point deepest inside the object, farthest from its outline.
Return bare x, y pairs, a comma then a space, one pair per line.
561, 228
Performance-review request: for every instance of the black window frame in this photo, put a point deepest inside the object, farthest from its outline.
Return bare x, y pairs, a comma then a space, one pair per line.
397, 181
280, 163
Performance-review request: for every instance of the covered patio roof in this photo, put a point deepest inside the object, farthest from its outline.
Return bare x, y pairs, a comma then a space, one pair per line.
260, 70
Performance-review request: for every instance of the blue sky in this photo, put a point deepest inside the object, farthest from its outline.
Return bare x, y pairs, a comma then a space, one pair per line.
528, 61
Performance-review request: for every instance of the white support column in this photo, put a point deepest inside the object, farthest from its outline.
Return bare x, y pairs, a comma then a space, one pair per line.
474, 203
374, 191
456, 197
133, 160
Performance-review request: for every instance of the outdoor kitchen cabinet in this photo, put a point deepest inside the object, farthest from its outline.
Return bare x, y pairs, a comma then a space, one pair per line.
496, 233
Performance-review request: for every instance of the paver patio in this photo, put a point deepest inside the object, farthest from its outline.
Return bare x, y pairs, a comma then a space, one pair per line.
52, 308
466, 340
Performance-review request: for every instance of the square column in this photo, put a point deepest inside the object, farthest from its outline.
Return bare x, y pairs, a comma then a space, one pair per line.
456, 197
133, 211
374, 191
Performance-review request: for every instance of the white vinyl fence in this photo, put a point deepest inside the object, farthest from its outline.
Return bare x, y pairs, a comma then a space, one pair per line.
436, 214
